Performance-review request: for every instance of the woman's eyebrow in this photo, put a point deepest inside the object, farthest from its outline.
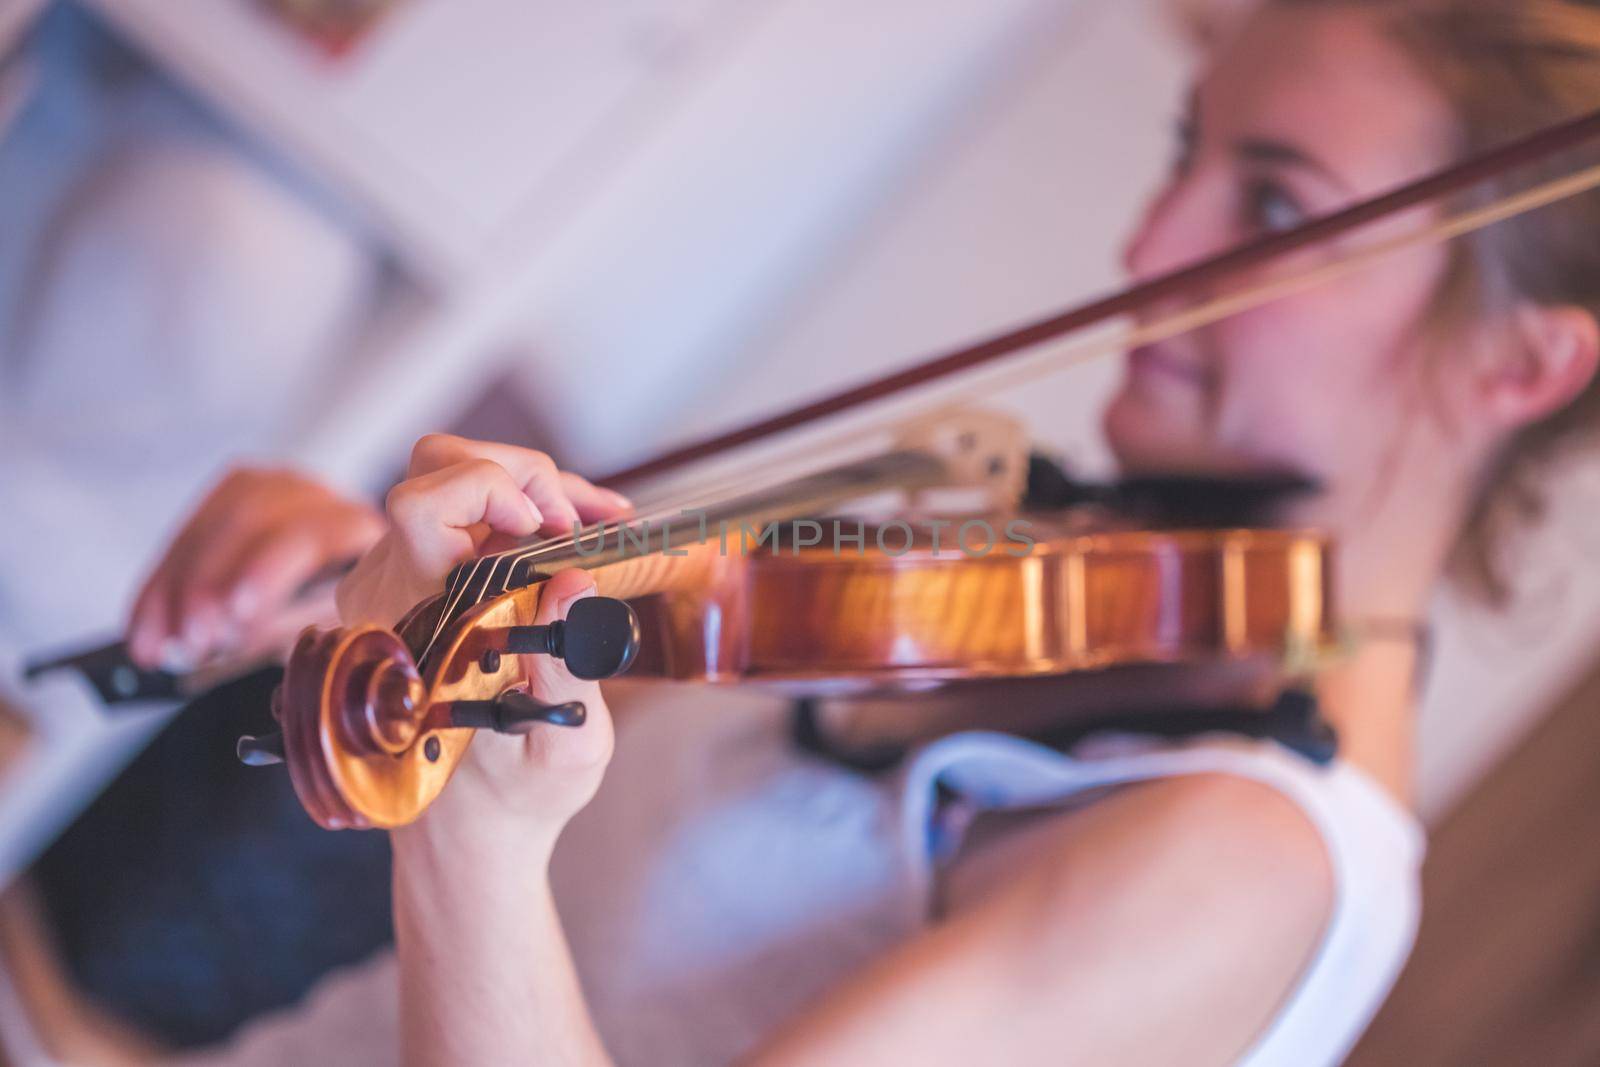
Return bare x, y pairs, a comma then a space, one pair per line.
1262, 150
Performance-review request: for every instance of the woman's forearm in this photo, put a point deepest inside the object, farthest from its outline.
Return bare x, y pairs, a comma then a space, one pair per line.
485, 975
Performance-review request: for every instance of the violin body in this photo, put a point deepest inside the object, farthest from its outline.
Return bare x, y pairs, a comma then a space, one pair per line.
1084, 594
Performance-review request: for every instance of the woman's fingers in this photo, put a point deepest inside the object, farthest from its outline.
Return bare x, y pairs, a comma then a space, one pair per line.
200, 591
445, 516
534, 473
268, 578
280, 563
149, 626
240, 560
271, 571
594, 503
276, 569
541, 481
261, 534
174, 623
563, 499
463, 499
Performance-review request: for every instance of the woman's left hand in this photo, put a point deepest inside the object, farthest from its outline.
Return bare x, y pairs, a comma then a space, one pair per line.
461, 499
485, 975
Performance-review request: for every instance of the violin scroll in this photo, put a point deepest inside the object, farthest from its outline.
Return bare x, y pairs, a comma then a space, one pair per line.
370, 741
352, 710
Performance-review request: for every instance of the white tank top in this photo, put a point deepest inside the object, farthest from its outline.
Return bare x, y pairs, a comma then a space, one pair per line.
722, 879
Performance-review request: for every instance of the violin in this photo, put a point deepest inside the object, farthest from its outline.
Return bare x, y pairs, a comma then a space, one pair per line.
374, 721
736, 579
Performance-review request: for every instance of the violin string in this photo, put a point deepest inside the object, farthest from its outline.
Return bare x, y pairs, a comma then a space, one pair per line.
448, 613
745, 478
702, 499
658, 513
555, 547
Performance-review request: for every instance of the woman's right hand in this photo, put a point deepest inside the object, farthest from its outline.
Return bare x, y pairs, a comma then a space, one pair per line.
232, 581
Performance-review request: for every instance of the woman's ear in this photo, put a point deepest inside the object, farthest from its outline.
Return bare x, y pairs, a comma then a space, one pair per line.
1558, 355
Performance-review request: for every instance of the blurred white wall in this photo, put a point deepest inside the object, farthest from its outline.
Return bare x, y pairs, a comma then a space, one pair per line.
1023, 214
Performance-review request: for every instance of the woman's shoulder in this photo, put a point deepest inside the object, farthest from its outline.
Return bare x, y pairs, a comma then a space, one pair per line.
1270, 881
1207, 892
1259, 833
1230, 845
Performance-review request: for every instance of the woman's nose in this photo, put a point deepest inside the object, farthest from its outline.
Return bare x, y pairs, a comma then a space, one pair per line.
1176, 231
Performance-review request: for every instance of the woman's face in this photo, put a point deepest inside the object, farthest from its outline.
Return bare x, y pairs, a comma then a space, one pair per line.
1304, 113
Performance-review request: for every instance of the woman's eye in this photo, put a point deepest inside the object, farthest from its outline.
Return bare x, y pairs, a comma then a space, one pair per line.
1269, 208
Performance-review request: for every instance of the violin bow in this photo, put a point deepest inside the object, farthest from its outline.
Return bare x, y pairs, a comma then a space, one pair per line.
1457, 178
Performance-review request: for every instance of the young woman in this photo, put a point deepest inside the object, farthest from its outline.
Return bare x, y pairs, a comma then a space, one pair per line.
726, 897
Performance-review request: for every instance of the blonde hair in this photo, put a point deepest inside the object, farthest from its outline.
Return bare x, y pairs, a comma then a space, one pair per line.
1508, 68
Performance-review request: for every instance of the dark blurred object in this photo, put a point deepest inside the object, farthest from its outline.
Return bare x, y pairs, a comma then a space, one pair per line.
118, 680
1507, 964
1171, 501
115, 677
1294, 719
334, 25
194, 894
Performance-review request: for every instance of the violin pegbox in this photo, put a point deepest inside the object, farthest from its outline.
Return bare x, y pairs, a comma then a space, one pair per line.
370, 739
982, 451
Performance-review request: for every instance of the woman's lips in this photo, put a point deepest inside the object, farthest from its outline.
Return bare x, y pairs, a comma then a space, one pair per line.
1154, 360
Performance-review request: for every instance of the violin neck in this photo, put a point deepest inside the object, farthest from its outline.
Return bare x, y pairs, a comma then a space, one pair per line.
695, 523
666, 533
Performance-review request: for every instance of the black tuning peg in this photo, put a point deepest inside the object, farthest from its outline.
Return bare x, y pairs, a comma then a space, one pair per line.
260, 751
598, 638
515, 712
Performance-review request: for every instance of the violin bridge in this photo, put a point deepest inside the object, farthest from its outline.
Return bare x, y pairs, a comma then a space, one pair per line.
981, 450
